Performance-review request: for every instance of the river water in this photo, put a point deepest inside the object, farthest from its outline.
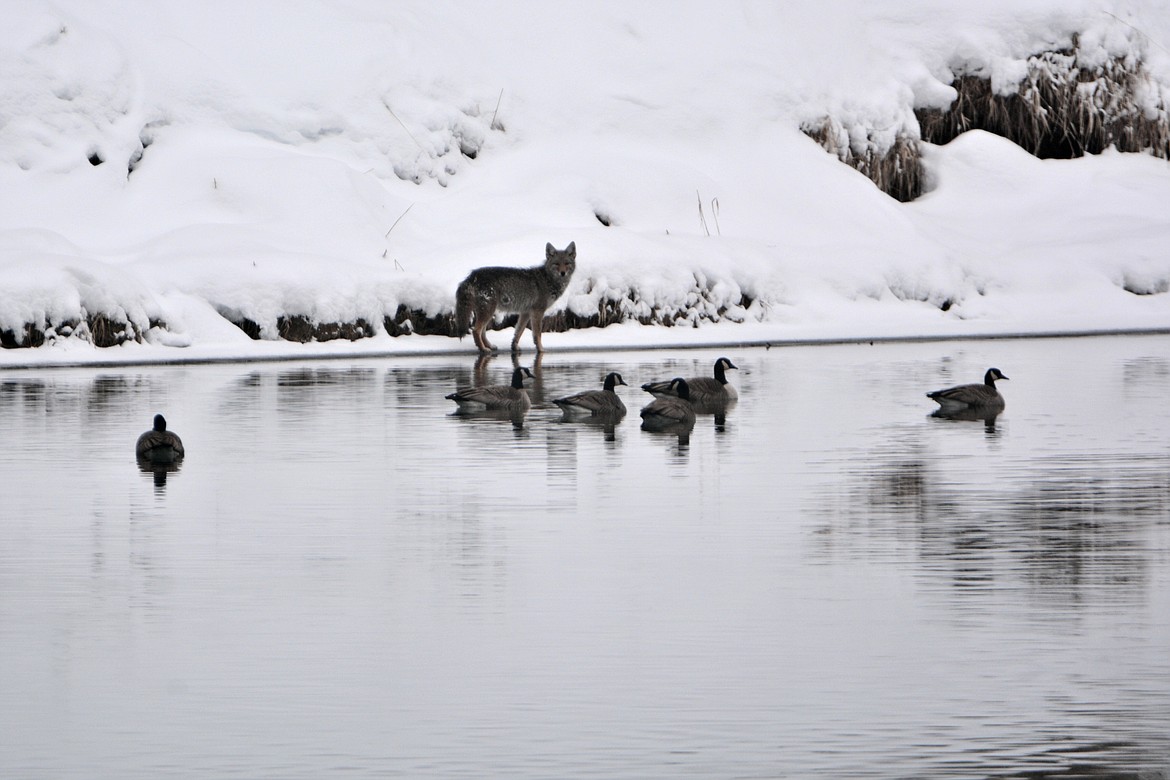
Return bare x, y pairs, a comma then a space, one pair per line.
345, 579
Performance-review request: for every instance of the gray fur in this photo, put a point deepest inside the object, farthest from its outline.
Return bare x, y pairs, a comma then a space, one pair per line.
527, 292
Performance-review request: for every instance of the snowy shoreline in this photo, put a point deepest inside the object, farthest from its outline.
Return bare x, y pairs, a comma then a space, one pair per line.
437, 346
164, 182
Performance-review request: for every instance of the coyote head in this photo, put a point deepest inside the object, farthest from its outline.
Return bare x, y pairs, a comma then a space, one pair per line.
560, 262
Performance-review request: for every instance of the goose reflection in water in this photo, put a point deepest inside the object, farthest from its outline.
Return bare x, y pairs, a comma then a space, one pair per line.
607, 423
970, 414
514, 416
680, 432
718, 411
159, 472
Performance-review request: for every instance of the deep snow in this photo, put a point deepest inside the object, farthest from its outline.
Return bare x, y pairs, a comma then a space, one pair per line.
338, 158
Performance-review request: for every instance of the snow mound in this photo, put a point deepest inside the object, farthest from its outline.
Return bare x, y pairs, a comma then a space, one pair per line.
233, 179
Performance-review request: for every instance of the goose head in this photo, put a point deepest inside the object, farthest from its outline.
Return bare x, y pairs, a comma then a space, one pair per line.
992, 375
613, 378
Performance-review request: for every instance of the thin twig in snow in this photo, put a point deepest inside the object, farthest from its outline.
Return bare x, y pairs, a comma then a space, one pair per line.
400, 216
494, 125
403, 124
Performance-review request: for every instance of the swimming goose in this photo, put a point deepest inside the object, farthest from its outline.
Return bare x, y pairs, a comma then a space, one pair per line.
670, 410
597, 402
705, 390
511, 397
983, 396
159, 445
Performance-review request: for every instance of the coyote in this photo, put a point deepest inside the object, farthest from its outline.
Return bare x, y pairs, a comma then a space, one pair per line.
525, 291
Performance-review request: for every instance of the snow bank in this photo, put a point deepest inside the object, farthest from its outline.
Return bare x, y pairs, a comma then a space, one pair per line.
185, 169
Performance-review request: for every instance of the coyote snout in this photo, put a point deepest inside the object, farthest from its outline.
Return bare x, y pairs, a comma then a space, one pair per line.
528, 292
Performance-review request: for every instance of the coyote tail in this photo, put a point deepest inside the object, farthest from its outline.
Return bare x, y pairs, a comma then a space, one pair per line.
463, 304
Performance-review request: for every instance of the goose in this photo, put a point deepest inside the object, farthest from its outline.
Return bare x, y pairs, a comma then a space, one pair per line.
510, 397
596, 402
984, 396
670, 410
705, 390
158, 445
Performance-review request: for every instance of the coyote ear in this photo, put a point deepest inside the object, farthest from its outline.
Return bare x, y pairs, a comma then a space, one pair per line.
572, 247
549, 249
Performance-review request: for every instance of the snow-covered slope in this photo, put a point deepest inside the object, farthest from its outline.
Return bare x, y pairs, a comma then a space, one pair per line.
178, 166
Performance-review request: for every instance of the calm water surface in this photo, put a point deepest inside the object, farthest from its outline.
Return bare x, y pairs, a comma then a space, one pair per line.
347, 580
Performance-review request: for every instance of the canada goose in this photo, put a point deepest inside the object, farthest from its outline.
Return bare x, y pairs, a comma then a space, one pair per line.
984, 396
511, 397
705, 390
598, 402
667, 411
159, 445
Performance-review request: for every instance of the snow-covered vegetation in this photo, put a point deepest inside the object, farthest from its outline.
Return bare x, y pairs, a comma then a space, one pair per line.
194, 180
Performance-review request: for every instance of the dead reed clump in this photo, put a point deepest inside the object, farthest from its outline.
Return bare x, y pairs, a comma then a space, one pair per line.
702, 304
297, 327
107, 332
28, 336
896, 168
302, 329
1067, 105
250, 327
349, 331
407, 321
101, 330
608, 313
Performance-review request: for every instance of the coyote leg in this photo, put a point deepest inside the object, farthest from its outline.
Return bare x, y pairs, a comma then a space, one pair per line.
481, 337
521, 324
537, 327
483, 318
